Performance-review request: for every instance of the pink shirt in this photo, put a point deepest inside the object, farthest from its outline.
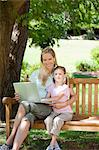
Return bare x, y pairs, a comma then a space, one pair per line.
54, 91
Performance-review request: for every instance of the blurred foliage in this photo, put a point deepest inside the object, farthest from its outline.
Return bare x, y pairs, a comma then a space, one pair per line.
27, 69
95, 55
51, 19
85, 66
90, 66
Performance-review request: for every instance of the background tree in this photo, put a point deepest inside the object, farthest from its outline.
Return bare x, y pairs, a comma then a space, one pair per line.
55, 19
13, 38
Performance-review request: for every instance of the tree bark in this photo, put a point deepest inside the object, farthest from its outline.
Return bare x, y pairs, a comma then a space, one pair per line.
13, 39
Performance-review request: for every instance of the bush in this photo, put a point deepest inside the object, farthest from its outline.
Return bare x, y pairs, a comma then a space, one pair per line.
27, 69
93, 66
95, 55
84, 66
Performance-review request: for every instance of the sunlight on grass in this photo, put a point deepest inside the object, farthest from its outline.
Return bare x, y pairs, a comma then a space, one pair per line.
39, 140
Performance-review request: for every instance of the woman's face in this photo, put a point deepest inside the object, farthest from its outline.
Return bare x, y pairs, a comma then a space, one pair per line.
48, 61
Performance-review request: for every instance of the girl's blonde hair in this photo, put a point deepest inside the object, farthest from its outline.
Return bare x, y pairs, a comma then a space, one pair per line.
44, 73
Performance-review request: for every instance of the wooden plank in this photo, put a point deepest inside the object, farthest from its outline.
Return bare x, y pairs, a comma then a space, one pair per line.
7, 120
83, 98
89, 99
84, 80
77, 100
81, 128
96, 99
71, 86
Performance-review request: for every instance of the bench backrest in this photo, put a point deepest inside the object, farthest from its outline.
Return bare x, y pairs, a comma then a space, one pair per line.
87, 96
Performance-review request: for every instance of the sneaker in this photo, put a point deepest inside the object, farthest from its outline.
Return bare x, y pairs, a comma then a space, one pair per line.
50, 147
57, 146
5, 147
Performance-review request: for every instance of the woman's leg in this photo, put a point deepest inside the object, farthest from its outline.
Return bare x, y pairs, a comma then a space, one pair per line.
38, 112
21, 134
20, 114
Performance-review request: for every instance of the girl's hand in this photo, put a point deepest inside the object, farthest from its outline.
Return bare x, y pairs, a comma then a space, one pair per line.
17, 97
55, 105
60, 104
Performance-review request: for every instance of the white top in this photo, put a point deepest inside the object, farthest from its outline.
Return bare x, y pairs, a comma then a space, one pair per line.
41, 88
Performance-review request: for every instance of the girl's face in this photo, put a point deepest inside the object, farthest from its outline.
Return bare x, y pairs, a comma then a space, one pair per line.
48, 61
59, 76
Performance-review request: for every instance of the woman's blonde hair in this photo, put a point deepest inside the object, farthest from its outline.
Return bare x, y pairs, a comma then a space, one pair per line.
50, 51
44, 73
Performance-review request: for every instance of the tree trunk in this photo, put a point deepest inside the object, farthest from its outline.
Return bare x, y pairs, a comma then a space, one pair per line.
13, 38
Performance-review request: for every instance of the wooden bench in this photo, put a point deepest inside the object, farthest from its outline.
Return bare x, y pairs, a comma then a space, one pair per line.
86, 107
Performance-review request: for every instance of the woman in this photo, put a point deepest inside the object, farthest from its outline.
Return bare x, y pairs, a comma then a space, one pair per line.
28, 113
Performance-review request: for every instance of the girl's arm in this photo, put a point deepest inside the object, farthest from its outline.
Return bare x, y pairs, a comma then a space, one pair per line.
67, 102
51, 100
54, 98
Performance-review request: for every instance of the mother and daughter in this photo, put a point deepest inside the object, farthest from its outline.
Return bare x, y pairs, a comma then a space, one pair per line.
51, 84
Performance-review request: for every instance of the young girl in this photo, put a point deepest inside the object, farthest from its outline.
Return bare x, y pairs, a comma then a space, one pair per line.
58, 92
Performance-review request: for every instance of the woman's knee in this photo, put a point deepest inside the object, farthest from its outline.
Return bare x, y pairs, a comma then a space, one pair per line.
21, 108
29, 117
21, 112
25, 123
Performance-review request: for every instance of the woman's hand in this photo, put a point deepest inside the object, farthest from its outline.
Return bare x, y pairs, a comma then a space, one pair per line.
17, 97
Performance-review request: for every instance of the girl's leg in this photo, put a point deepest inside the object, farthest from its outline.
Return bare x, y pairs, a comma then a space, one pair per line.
49, 121
21, 134
20, 114
57, 125
54, 140
58, 122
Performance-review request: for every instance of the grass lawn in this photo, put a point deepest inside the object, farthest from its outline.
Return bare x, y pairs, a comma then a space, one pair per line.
68, 53
68, 140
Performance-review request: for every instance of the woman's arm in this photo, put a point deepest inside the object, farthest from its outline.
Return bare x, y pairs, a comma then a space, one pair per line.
67, 102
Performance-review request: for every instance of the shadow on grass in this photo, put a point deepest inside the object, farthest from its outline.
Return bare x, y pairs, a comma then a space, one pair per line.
68, 140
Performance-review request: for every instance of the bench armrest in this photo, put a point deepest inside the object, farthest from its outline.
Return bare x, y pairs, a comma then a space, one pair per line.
9, 101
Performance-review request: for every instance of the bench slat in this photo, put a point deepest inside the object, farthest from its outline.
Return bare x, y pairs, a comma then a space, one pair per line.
89, 99
83, 98
77, 100
96, 102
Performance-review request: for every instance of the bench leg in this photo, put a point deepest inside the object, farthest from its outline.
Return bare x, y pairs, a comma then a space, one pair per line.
8, 109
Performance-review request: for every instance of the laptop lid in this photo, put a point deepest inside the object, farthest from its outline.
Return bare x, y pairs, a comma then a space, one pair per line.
27, 91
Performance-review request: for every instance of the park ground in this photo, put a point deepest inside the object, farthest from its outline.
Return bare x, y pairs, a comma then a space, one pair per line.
68, 140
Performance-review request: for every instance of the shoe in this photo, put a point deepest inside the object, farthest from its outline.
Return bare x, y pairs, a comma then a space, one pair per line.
5, 147
50, 147
57, 147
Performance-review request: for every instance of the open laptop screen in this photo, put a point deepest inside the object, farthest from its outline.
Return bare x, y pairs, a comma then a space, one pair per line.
27, 91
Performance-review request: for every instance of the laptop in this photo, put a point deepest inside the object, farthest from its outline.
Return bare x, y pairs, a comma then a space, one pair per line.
27, 91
